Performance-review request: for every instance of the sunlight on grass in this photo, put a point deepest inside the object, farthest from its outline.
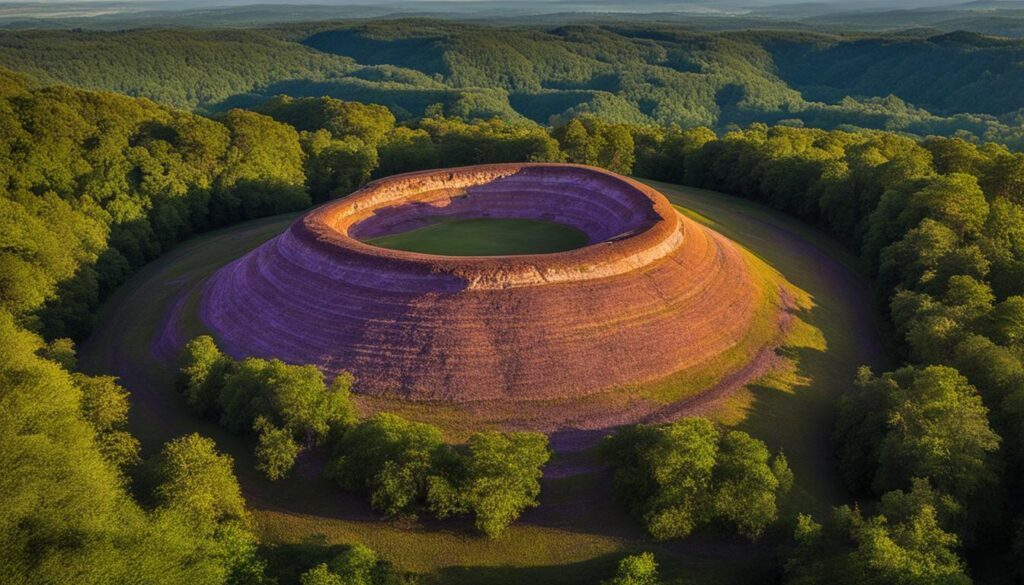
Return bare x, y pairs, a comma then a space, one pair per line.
485, 237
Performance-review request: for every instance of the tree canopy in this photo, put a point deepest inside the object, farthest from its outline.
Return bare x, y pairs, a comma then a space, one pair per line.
678, 477
639, 73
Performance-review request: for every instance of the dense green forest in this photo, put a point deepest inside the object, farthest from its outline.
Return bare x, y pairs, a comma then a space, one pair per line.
95, 185
940, 224
644, 74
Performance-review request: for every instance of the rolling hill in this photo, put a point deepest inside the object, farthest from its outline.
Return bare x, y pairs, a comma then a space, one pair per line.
622, 72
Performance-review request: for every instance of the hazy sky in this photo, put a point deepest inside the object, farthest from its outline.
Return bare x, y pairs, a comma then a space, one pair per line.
637, 4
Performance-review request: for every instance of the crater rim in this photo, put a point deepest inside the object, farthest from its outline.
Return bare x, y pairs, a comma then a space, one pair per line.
330, 227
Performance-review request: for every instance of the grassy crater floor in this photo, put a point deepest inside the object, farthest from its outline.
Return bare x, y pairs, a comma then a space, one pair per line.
485, 237
578, 532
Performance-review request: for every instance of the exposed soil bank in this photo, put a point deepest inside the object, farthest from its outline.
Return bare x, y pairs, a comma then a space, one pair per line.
652, 294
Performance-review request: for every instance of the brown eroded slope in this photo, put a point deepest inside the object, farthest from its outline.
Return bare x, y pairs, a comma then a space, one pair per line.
652, 294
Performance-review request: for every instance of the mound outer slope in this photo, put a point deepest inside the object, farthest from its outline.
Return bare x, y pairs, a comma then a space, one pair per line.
652, 294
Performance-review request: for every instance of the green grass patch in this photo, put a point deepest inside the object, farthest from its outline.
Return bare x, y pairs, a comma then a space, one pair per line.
485, 237
835, 330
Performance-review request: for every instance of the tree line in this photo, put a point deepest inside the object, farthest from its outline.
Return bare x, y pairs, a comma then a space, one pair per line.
939, 224
93, 186
403, 467
674, 478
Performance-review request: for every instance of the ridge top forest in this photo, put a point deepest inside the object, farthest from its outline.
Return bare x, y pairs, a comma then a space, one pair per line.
917, 174
946, 83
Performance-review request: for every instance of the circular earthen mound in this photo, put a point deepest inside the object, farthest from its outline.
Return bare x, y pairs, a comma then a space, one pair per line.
651, 294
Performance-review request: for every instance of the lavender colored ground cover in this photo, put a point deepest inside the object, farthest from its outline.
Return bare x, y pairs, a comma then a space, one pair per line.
653, 293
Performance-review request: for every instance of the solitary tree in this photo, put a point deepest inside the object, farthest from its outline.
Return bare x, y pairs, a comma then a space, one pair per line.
680, 476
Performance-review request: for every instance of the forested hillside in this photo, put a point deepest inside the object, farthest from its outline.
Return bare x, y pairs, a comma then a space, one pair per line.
215, 70
656, 74
945, 74
178, 67
91, 187
96, 184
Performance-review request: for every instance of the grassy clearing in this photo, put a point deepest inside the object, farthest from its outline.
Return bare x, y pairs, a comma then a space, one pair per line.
836, 330
578, 533
485, 237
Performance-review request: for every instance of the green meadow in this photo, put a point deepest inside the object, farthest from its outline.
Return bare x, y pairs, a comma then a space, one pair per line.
485, 237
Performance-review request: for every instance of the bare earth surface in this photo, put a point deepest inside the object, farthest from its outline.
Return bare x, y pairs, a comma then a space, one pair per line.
653, 294
784, 396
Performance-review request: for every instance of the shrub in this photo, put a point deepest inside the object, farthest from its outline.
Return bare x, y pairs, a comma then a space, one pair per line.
356, 565
638, 569
390, 459
678, 477
495, 478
